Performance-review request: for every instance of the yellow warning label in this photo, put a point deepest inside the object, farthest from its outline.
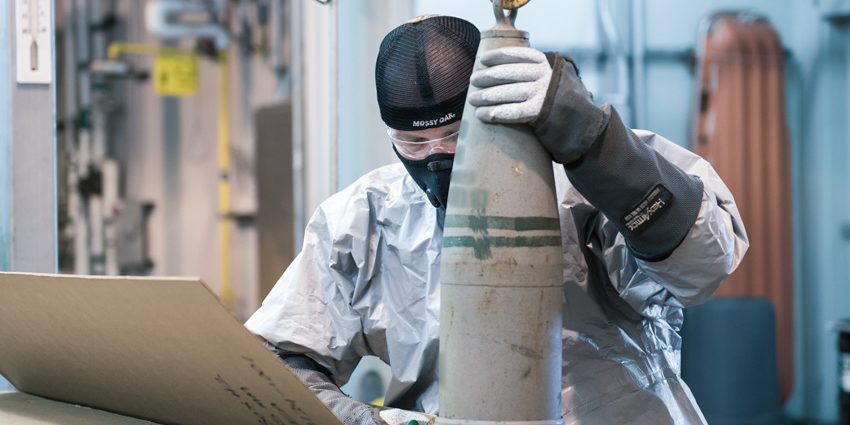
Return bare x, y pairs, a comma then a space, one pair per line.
175, 75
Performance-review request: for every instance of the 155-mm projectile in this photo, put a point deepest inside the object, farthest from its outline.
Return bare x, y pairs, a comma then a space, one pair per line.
501, 273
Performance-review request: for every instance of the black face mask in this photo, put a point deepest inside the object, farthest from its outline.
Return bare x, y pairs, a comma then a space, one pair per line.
432, 174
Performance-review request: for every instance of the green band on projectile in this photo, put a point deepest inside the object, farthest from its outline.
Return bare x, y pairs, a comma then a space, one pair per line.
484, 222
500, 241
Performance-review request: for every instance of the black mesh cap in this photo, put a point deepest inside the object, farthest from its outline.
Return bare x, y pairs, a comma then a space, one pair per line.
422, 72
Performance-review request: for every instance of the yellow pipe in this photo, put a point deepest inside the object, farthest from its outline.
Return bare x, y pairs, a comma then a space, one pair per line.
224, 225
120, 48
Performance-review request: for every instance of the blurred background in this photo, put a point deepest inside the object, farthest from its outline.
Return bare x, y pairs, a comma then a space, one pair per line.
172, 137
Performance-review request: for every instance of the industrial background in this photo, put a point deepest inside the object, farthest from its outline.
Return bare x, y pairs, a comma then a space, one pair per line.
202, 147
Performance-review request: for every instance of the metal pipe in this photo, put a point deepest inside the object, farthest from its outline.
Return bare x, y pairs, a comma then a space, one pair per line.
224, 199
110, 172
96, 204
80, 157
315, 117
333, 149
297, 93
501, 274
638, 70
162, 18
620, 96
279, 47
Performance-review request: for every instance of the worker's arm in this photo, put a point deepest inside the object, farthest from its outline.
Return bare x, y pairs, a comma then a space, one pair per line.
308, 321
675, 214
308, 311
712, 247
315, 377
350, 411
652, 201
687, 236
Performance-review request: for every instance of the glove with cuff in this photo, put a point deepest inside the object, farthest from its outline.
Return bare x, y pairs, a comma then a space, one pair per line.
350, 411
652, 202
404, 417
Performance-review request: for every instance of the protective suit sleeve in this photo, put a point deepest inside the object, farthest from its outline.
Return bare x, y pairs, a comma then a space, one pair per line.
308, 311
348, 410
712, 248
715, 244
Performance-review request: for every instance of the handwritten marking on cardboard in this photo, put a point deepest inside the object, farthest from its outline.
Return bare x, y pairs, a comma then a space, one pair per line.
266, 412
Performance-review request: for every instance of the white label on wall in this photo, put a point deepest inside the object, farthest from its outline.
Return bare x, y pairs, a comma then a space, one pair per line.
34, 41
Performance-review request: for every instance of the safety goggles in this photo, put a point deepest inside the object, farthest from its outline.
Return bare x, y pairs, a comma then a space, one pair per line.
421, 149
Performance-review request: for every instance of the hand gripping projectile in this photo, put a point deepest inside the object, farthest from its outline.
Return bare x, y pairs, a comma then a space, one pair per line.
501, 289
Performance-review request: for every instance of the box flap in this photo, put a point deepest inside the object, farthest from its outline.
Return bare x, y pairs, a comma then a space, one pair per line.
161, 349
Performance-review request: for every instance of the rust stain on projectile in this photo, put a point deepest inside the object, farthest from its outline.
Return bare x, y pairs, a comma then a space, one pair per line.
486, 300
526, 352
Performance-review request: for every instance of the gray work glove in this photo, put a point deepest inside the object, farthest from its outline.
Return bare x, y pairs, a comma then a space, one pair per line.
513, 85
350, 411
521, 84
652, 202
404, 417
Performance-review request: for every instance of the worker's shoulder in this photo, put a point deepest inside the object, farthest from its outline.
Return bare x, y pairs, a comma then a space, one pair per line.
657, 141
387, 179
384, 175
673, 152
386, 184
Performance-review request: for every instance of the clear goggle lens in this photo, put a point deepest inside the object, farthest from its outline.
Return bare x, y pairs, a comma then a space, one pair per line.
421, 149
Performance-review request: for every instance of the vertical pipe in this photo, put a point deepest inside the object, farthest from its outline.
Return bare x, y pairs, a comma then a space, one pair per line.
620, 97
98, 144
110, 200
224, 202
315, 71
333, 100
501, 289
172, 190
280, 43
298, 99
66, 114
638, 69
103, 241
95, 219
79, 160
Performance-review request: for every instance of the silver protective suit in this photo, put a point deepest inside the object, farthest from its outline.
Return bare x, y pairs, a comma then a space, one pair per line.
367, 283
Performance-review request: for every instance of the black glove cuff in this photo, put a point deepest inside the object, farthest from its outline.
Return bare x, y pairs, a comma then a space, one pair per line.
569, 123
652, 202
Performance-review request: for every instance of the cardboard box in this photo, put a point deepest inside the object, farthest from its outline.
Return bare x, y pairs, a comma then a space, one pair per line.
159, 349
27, 409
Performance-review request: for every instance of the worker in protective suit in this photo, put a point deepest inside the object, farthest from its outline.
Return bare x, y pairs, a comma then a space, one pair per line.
648, 228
